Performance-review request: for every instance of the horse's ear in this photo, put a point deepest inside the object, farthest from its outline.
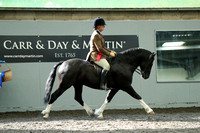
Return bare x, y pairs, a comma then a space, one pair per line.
152, 55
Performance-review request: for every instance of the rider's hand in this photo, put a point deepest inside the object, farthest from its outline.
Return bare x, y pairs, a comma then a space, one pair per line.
112, 54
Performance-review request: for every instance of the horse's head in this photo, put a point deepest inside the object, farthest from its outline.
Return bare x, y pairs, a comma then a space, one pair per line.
138, 57
146, 66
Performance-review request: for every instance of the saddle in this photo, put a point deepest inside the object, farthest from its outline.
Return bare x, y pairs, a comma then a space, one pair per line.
98, 71
97, 68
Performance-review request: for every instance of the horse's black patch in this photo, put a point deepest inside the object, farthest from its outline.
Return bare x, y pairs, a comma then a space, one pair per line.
80, 72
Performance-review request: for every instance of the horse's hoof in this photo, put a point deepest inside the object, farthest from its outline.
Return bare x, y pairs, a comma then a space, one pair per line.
43, 112
100, 117
151, 113
46, 116
90, 113
98, 114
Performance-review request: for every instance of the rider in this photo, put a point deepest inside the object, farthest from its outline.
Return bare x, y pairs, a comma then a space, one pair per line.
98, 52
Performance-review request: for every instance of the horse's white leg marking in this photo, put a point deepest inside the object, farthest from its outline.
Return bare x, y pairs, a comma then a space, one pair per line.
146, 107
99, 112
47, 111
88, 109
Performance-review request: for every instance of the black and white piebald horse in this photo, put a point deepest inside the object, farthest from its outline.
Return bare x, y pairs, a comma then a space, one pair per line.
78, 72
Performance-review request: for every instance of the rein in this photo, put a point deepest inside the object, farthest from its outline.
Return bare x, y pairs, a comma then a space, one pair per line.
137, 70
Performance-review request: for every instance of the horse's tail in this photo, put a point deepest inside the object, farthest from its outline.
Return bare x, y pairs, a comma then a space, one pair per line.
50, 81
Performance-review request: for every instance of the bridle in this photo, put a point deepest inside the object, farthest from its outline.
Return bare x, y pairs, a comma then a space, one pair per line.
140, 72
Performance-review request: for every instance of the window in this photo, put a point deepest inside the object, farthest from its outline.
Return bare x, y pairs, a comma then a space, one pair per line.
178, 56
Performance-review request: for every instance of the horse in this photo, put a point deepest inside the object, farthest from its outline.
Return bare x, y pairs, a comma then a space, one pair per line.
78, 72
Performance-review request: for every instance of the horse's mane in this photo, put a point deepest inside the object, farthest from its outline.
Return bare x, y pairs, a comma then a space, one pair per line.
130, 54
129, 50
136, 51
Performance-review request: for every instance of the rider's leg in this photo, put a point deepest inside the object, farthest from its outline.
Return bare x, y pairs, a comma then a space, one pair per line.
106, 67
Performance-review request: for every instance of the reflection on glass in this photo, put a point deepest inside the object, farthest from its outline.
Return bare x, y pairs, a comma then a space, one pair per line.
178, 56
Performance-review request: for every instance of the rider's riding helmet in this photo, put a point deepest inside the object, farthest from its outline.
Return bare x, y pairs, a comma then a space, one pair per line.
98, 21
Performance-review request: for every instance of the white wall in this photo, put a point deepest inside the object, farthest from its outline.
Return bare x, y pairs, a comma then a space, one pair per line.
26, 90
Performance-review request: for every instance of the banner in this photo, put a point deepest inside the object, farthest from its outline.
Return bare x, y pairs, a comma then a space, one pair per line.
56, 48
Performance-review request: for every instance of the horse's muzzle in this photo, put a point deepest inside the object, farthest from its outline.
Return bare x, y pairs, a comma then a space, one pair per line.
144, 75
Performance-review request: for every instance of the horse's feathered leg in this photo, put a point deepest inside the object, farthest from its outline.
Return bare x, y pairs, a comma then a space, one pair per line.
47, 111
110, 95
146, 107
134, 94
61, 89
54, 96
78, 97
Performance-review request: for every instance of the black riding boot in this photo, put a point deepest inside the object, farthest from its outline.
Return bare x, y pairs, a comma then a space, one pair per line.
103, 84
